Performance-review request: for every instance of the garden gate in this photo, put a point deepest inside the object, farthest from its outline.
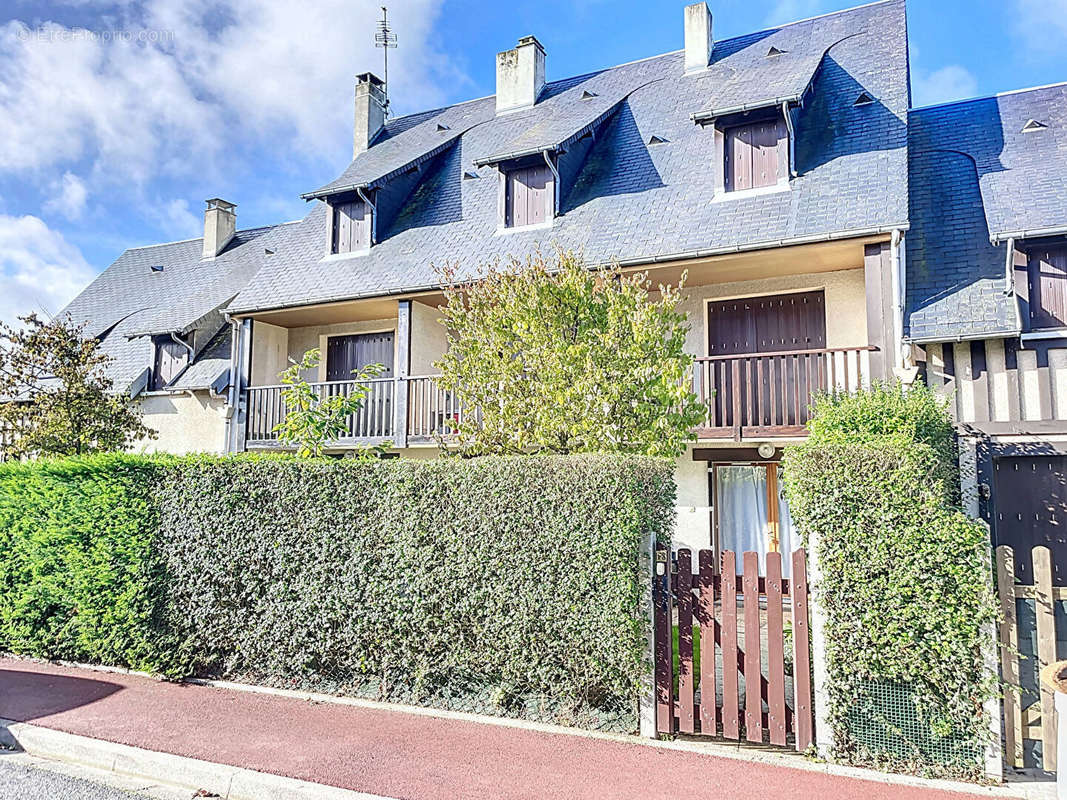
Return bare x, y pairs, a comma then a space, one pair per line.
716, 677
1031, 626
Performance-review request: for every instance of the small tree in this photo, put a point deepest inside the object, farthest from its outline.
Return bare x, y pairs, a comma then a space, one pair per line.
55, 395
561, 358
314, 417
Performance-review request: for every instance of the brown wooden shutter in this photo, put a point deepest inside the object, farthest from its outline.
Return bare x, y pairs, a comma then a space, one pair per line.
528, 197
753, 154
348, 354
1047, 270
171, 358
770, 324
351, 227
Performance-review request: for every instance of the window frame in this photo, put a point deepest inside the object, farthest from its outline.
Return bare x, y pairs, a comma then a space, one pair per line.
161, 345
509, 172
730, 135
336, 207
1039, 316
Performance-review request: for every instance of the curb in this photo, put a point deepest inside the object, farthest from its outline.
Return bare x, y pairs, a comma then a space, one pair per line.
230, 783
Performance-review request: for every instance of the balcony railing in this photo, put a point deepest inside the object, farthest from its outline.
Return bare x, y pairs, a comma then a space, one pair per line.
748, 396
770, 394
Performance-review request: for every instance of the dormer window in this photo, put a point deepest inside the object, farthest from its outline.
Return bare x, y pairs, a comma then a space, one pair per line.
171, 358
529, 194
352, 226
756, 154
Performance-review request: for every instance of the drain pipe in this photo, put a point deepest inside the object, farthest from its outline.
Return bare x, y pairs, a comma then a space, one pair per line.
1009, 283
555, 181
898, 277
183, 343
792, 137
374, 214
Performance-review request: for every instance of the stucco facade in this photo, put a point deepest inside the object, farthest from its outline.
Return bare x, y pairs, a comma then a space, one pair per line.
191, 422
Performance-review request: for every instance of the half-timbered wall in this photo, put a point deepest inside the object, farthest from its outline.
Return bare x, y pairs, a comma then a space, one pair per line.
999, 380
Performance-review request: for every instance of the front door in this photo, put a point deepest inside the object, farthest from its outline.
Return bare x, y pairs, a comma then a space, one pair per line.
750, 511
772, 391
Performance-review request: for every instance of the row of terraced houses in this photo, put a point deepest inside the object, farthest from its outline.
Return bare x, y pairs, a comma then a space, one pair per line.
832, 236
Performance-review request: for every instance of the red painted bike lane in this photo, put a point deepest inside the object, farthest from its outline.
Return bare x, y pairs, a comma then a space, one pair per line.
393, 753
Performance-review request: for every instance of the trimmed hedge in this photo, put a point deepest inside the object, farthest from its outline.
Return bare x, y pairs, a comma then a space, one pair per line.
905, 583
510, 585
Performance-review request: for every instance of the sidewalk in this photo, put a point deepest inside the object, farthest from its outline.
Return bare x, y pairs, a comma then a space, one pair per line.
396, 754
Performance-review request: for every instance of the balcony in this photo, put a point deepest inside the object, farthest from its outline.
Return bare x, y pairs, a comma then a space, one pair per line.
749, 396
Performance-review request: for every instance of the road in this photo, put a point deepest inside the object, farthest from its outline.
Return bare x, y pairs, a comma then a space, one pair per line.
22, 781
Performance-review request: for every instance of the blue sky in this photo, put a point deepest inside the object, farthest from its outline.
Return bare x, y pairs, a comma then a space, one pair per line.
117, 120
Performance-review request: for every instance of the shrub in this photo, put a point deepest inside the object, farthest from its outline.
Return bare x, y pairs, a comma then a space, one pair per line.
905, 582
507, 585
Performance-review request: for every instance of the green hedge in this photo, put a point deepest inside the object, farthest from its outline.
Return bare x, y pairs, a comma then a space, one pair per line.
905, 582
509, 585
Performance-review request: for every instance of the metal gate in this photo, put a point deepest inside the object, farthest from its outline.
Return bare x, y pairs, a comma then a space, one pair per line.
733, 654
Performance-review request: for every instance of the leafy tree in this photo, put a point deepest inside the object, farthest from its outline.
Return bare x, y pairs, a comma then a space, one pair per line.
560, 358
314, 415
55, 395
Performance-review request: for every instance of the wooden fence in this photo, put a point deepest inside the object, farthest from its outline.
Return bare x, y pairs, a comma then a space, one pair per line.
1027, 720
775, 703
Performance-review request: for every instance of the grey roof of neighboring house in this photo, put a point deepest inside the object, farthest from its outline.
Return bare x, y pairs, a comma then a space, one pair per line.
130, 300
211, 367
978, 178
632, 200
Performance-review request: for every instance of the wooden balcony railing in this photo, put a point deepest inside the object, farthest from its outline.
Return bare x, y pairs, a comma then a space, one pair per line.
373, 422
748, 395
770, 394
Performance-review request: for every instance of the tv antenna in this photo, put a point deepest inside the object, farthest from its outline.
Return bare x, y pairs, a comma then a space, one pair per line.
385, 39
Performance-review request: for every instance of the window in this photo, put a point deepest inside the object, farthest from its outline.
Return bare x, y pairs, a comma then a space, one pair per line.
751, 512
756, 154
170, 359
351, 228
348, 354
529, 195
1047, 279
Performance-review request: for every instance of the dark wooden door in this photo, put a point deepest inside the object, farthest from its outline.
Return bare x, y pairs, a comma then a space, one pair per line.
1030, 509
348, 354
763, 326
1047, 270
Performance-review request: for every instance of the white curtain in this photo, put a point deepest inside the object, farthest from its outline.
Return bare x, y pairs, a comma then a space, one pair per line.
788, 540
744, 523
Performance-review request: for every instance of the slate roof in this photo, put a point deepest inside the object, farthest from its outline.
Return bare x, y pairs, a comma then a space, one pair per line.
977, 179
631, 200
130, 300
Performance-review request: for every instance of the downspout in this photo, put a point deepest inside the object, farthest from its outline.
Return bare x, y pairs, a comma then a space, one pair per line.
555, 182
186, 345
898, 278
792, 136
231, 393
373, 212
1009, 282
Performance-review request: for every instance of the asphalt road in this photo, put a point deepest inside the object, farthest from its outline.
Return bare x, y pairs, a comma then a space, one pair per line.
22, 782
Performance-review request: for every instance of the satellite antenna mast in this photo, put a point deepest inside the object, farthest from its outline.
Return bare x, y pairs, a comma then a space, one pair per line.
385, 39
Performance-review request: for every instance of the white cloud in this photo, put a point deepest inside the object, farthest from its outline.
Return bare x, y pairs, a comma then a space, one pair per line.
40, 271
943, 85
177, 220
67, 197
199, 78
1042, 25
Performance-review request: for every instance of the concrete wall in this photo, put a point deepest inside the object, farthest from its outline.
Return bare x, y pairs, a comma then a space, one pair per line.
846, 312
692, 527
185, 423
270, 351
428, 338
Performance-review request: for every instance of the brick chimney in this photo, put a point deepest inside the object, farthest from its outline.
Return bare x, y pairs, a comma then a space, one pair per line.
698, 41
520, 75
220, 224
370, 111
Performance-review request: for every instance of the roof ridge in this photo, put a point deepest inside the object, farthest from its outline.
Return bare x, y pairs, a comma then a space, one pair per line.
989, 96
200, 238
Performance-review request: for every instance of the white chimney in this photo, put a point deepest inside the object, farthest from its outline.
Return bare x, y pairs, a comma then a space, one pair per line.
370, 111
220, 224
698, 41
520, 75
